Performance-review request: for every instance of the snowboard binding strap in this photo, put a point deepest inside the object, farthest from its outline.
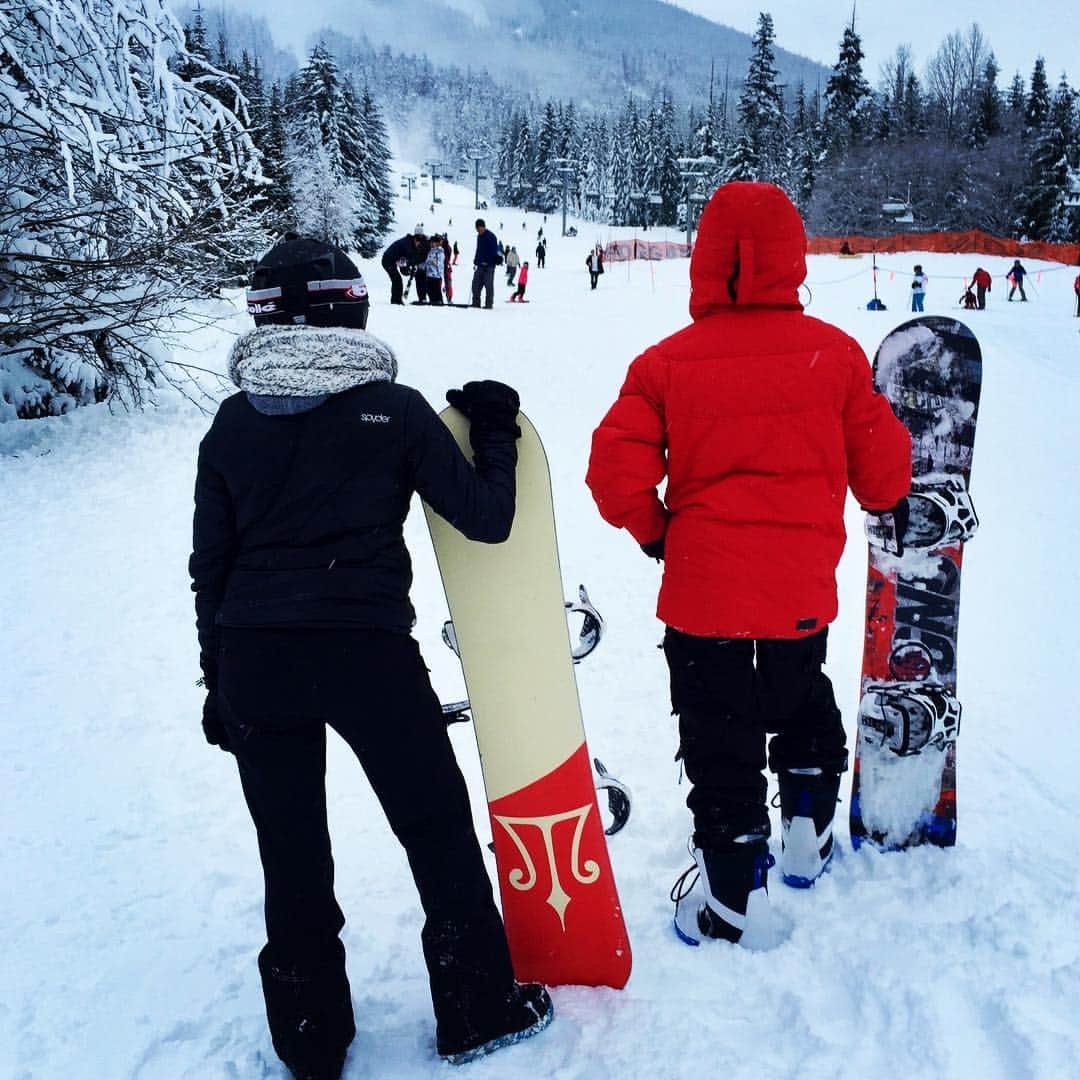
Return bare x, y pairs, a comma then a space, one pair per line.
908, 718
940, 513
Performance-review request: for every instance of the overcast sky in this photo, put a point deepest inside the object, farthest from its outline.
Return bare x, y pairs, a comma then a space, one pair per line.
1018, 30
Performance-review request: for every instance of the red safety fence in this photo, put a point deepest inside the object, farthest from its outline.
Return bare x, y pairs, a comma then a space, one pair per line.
624, 250
946, 243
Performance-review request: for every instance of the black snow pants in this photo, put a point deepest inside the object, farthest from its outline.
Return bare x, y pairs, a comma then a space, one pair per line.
279, 689
397, 286
483, 278
728, 693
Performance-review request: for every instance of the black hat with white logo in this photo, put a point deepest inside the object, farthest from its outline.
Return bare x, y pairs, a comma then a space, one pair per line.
307, 281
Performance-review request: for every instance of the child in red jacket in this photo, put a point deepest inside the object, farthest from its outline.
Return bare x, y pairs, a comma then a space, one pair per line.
760, 418
522, 281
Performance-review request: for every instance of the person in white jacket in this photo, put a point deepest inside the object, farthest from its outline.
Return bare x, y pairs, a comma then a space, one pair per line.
918, 289
513, 261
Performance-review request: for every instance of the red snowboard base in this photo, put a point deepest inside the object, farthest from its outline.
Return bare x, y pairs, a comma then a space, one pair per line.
560, 905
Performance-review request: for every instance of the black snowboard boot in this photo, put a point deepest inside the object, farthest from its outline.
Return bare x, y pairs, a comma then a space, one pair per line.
807, 807
310, 1013
730, 898
526, 1010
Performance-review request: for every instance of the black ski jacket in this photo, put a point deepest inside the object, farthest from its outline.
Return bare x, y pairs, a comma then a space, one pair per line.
298, 518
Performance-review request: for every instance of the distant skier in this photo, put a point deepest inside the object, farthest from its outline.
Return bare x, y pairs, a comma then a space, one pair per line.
918, 289
485, 260
541, 254
406, 253
301, 579
983, 283
457, 253
1076, 289
523, 280
759, 417
595, 262
513, 263
1017, 273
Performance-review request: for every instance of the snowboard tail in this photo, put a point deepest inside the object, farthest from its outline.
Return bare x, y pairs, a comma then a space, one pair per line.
560, 904
904, 775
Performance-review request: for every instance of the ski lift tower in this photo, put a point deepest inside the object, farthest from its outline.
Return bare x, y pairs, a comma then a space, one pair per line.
433, 167
476, 155
408, 180
566, 171
691, 172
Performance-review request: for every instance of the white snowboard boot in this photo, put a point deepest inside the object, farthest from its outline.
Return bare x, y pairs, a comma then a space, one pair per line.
807, 808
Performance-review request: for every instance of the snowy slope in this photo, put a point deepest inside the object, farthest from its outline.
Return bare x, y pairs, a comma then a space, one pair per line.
131, 900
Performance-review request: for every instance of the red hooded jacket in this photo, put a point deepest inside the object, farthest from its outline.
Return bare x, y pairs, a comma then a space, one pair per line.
760, 417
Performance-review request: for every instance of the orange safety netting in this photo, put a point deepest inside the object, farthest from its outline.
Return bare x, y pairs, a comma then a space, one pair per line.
946, 243
623, 250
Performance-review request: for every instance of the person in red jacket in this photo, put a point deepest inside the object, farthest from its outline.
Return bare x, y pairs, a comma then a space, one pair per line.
760, 418
982, 282
1076, 289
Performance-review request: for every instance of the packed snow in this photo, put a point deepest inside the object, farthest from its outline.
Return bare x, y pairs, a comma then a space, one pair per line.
132, 900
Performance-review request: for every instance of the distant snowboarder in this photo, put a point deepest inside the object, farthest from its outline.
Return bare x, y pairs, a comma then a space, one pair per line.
301, 581
523, 280
759, 417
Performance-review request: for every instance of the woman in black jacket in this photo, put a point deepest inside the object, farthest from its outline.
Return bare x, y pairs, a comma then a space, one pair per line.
302, 580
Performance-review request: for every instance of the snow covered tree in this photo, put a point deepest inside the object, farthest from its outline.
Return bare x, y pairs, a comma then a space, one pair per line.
1037, 105
127, 194
548, 151
1016, 96
760, 112
375, 167
340, 191
622, 169
846, 94
273, 144
986, 120
1044, 213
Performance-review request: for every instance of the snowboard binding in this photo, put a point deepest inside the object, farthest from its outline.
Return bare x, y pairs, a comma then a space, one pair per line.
618, 797
908, 718
940, 513
592, 628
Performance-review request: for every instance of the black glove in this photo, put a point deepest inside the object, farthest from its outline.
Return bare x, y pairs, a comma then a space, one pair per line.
213, 728
491, 406
891, 526
654, 549
215, 731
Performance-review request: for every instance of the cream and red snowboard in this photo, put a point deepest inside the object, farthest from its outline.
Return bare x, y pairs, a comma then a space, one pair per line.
559, 900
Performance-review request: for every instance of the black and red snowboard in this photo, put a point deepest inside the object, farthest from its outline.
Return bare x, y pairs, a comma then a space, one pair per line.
904, 786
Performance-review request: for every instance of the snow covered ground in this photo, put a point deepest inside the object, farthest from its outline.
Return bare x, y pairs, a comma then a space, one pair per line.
131, 900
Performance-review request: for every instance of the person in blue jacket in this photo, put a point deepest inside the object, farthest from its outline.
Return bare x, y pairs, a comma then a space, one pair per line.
1016, 277
484, 262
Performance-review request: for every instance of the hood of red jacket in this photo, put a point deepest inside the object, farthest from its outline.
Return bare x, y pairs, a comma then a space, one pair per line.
750, 251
